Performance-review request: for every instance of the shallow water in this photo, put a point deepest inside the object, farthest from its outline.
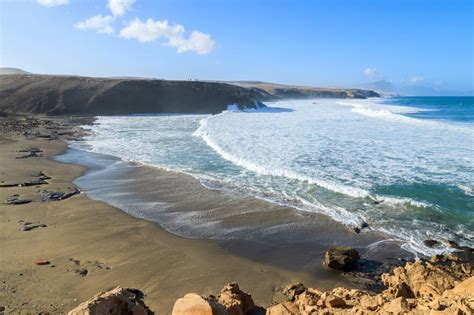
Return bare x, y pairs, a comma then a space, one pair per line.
405, 166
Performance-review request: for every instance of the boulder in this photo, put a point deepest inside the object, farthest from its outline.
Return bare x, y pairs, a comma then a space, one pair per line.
194, 304
115, 301
285, 308
421, 278
235, 301
341, 258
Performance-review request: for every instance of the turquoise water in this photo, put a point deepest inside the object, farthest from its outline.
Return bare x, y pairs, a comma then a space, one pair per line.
453, 108
403, 165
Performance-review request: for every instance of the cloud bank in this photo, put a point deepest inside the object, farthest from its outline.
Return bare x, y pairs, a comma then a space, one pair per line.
151, 30
119, 7
98, 23
147, 31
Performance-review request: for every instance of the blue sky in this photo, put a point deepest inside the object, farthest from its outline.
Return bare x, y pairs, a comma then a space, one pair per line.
321, 43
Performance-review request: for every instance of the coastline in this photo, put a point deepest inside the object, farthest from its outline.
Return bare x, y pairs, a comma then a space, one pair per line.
59, 251
139, 253
114, 247
119, 249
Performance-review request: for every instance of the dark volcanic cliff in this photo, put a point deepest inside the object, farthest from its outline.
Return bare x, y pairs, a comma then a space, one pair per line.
57, 95
74, 95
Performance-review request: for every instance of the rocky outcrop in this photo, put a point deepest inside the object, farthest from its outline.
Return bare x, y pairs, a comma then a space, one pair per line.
66, 95
341, 258
419, 287
115, 301
75, 95
231, 301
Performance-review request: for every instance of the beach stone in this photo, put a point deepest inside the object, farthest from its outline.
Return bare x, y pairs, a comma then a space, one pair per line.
292, 290
115, 301
341, 258
194, 304
236, 301
42, 262
431, 243
15, 200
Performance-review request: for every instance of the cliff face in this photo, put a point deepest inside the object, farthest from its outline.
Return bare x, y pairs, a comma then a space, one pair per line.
74, 95
60, 95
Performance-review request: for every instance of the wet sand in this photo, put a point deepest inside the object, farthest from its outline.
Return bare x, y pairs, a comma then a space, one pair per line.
261, 246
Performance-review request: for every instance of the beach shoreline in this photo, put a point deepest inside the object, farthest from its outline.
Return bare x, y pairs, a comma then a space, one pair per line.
84, 234
114, 247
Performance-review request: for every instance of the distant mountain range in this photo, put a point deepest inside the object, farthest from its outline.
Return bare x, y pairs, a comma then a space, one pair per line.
387, 88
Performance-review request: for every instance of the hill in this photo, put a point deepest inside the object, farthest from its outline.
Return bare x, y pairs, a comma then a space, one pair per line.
76, 95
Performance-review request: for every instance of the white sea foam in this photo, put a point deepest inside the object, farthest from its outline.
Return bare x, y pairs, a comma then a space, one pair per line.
327, 157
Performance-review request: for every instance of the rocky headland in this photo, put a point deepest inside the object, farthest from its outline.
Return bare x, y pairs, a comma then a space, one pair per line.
75, 95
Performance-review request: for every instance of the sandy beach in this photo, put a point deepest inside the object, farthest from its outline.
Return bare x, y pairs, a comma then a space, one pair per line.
113, 247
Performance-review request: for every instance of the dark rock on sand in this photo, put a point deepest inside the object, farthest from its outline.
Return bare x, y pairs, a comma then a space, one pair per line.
28, 226
42, 262
58, 195
15, 200
341, 258
81, 272
431, 243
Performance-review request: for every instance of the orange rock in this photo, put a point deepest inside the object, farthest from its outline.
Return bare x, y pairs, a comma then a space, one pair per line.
194, 304
285, 308
115, 301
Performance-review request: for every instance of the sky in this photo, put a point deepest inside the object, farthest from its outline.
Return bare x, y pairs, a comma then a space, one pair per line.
318, 43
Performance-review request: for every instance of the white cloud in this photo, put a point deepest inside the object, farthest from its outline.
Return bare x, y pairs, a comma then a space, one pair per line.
370, 72
416, 79
199, 42
52, 3
119, 7
99, 23
151, 30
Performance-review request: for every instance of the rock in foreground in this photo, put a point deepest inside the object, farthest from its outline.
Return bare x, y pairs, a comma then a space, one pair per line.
231, 301
417, 288
341, 258
115, 301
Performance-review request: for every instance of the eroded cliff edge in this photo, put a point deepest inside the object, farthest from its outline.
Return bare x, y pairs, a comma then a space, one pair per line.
75, 95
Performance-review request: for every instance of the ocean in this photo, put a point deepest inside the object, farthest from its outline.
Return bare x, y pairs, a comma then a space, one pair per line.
404, 166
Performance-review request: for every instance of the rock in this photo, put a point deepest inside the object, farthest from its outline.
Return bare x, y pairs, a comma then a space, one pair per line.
431, 243
42, 262
341, 258
285, 308
81, 272
115, 301
15, 200
235, 301
368, 302
423, 278
397, 306
194, 304
293, 290
334, 302
465, 290
58, 195
28, 226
